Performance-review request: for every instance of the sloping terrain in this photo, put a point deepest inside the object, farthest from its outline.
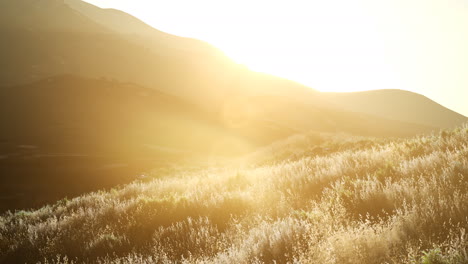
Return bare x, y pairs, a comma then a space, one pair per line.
45, 38
35, 46
358, 200
398, 105
135, 102
45, 16
65, 135
125, 24
322, 117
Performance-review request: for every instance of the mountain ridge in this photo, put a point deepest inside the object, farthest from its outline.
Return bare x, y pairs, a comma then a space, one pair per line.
399, 104
156, 59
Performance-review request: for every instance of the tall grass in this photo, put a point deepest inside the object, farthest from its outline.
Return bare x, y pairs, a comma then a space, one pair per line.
306, 200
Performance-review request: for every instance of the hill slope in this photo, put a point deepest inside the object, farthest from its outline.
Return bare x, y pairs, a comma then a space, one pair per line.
66, 135
99, 133
364, 201
36, 47
398, 105
125, 24
44, 15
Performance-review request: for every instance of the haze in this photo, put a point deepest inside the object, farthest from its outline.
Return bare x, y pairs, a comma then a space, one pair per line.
337, 45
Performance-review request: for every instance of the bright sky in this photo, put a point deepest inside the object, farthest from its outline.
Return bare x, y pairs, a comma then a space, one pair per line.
331, 45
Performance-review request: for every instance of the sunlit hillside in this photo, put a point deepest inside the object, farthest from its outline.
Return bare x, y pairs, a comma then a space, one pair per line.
68, 135
212, 132
314, 198
91, 98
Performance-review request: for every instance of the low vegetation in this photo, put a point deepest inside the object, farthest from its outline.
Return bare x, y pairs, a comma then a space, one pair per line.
310, 199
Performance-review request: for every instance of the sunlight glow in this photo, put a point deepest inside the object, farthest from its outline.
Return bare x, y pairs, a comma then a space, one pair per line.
337, 45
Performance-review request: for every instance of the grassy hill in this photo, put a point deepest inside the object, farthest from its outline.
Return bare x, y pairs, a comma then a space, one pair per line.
313, 198
66, 135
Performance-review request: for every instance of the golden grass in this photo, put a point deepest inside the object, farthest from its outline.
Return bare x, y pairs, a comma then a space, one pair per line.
309, 199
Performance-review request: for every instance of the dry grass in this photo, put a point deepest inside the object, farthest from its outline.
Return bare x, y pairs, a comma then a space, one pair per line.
361, 201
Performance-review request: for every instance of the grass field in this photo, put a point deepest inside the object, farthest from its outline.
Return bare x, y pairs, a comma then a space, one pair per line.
309, 199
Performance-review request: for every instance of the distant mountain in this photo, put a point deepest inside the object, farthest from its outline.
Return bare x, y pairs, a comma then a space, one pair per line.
45, 38
398, 105
44, 15
302, 116
125, 24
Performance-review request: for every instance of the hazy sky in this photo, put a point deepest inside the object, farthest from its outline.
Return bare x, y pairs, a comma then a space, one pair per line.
332, 45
